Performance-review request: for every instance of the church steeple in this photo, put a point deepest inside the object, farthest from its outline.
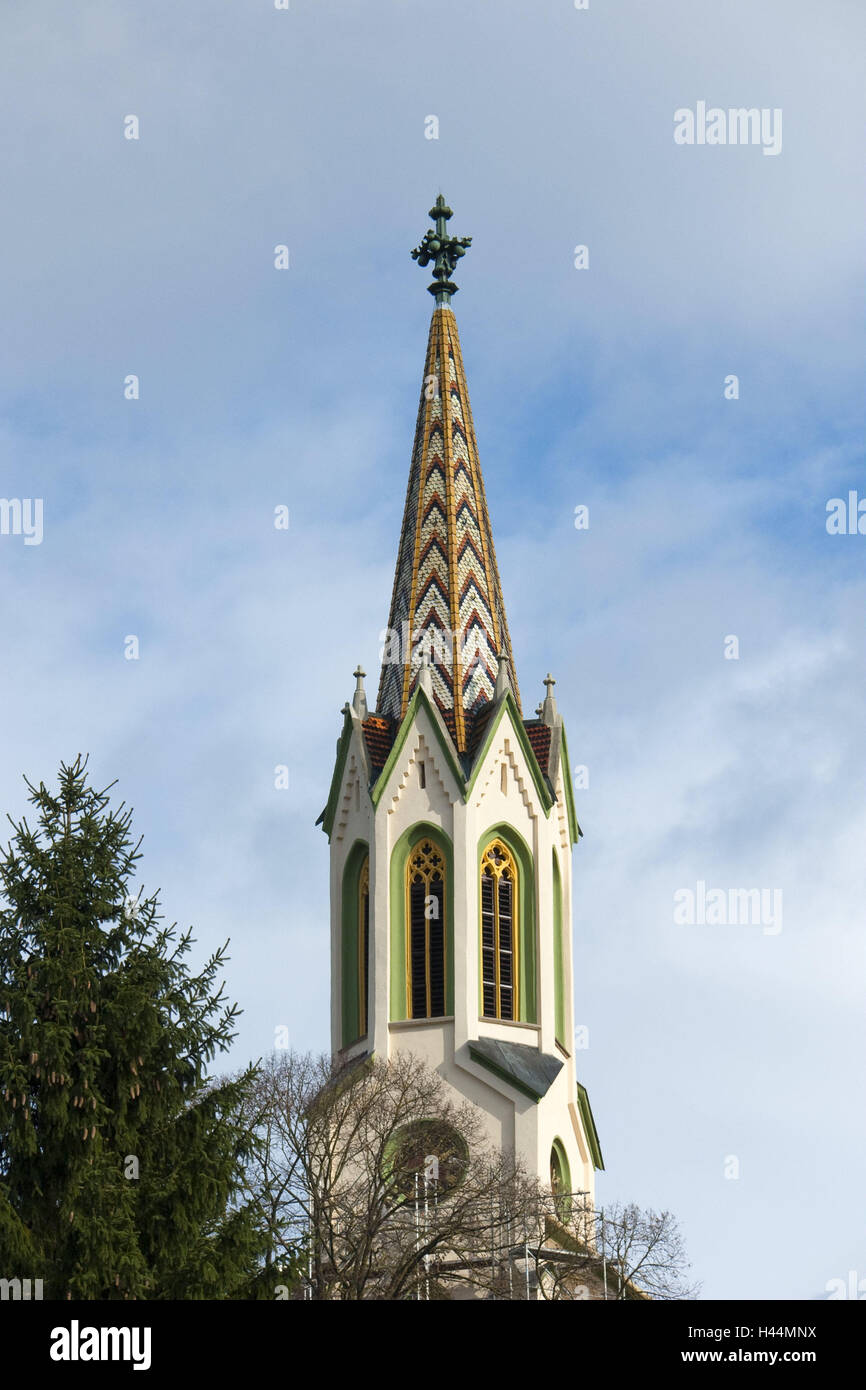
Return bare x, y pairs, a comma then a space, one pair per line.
447, 598
451, 818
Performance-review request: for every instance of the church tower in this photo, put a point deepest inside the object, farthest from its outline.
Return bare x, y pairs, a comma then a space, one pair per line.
451, 816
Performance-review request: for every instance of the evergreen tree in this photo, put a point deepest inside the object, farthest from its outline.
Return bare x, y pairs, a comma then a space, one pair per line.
120, 1160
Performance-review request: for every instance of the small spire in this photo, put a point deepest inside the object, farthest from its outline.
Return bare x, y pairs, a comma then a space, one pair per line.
359, 699
502, 681
549, 713
425, 676
445, 549
443, 250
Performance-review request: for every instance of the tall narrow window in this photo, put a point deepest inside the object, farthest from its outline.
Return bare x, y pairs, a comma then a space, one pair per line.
560, 1180
425, 926
498, 932
559, 971
363, 945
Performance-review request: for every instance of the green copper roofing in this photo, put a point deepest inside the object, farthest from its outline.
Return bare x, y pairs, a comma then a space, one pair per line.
525, 1068
444, 251
567, 781
326, 819
589, 1128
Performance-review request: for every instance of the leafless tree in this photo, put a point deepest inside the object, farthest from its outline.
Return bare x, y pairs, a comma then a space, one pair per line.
375, 1182
619, 1252
567, 1265
646, 1252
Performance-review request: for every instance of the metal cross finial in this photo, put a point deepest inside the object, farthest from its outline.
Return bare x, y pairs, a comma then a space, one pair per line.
443, 251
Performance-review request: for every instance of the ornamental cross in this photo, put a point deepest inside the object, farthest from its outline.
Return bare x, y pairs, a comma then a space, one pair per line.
444, 251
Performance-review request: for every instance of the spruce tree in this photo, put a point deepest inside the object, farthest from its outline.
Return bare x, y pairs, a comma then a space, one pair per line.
120, 1160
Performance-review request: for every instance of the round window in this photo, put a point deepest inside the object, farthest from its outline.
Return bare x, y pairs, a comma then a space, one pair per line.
427, 1159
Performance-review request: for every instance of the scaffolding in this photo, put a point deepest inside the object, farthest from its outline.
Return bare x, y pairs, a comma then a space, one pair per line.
527, 1259
513, 1263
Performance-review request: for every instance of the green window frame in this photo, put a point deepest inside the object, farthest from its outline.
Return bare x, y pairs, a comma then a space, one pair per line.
560, 1180
524, 917
355, 944
559, 970
499, 932
363, 945
433, 936
426, 945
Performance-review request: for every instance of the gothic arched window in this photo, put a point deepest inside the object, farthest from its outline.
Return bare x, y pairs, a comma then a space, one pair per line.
559, 970
425, 931
363, 945
354, 944
560, 1180
499, 932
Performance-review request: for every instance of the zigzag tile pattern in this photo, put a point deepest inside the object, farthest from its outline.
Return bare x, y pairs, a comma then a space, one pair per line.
446, 580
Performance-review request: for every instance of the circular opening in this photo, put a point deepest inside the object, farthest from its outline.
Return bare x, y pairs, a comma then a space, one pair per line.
426, 1159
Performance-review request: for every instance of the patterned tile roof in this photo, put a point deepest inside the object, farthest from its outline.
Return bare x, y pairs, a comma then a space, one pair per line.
379, 737
477, 730
539, 737
447, 597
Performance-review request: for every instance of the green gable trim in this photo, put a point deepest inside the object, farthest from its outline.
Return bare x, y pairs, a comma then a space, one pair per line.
589, 1128
330, 811
574, 829
509, 702
419, 700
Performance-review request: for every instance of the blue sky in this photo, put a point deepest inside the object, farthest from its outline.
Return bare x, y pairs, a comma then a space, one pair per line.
602, 387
